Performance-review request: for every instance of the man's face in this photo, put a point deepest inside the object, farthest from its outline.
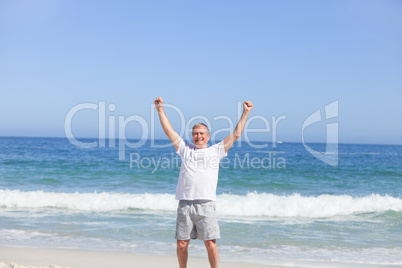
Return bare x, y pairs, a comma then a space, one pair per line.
200, 137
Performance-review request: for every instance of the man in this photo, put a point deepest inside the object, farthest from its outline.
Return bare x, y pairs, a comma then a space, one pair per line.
196, 187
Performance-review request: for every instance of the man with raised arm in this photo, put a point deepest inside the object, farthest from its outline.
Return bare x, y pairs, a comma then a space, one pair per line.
196, 187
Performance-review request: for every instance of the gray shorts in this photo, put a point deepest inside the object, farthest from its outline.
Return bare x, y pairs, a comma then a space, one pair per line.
196, 219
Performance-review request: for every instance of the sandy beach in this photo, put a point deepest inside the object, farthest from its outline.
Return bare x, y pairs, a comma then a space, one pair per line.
56, 258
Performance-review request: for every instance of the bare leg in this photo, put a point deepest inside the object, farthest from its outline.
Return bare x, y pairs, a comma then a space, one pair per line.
182, 253
213, 255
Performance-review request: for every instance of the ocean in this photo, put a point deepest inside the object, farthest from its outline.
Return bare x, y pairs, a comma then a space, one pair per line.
276, 204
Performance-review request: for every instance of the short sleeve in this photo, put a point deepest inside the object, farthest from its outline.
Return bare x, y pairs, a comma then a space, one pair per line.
220, 150
182, 148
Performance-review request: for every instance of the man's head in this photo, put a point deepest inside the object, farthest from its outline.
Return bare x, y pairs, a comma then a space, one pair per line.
200, 135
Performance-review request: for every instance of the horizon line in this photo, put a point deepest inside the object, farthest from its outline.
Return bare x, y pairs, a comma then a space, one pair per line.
282, 141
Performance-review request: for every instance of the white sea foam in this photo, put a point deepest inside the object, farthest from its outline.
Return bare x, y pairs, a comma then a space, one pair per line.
293, 256
295, 205
283, 255
86, 201
252, 204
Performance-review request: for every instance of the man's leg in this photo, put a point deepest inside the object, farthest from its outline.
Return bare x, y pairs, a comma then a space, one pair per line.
182, 253
213, 255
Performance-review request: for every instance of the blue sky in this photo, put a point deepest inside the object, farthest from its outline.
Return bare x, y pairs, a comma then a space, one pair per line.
290, 58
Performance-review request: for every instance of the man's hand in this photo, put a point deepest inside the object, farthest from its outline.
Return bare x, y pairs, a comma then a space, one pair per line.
247, 106
158, 103
229, 140
167, 127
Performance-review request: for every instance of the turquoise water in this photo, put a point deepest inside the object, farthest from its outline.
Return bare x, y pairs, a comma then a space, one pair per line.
276, 205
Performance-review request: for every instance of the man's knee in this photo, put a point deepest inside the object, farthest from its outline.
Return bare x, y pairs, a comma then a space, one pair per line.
210, 244
182, 244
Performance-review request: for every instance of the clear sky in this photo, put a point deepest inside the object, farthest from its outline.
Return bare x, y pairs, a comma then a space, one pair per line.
290, 58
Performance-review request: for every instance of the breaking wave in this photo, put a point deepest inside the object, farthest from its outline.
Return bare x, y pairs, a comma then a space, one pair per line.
252, 204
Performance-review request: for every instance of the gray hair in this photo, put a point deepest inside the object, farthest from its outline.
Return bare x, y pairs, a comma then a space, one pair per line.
201, 125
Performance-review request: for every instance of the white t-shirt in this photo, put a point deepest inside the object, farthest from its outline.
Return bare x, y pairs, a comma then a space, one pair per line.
199, 170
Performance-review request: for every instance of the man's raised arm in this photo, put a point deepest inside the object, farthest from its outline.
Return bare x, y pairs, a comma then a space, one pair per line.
167, 127
229, 140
